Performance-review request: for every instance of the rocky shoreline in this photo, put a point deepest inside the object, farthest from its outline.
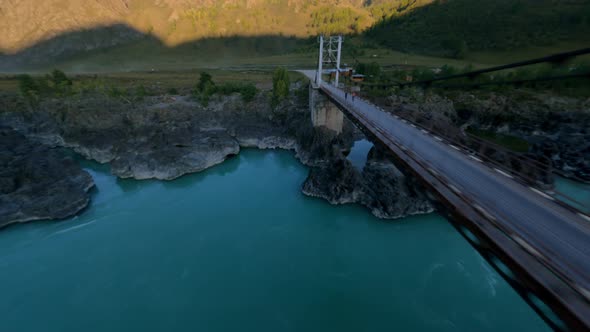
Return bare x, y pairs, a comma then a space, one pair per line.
380, 187
556, 127
37, 182
166, 137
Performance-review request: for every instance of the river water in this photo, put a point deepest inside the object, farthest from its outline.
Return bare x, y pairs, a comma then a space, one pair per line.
239, 248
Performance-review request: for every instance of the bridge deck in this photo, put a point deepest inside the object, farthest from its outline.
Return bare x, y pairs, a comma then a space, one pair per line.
557, 237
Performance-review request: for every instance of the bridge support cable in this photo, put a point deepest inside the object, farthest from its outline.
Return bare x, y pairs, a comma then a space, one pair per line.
558, 58
555, 58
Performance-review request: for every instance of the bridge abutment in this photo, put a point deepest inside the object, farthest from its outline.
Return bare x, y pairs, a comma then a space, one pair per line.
324, 112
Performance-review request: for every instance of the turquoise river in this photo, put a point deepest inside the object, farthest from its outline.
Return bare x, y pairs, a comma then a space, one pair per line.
239, 248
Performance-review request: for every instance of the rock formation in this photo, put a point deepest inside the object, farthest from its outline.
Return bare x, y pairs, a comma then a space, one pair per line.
37, 182
167, 137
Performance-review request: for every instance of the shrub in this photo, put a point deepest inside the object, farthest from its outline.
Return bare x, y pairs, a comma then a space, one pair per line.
141, 92
228, 88
115, 92
60, 84
248, 92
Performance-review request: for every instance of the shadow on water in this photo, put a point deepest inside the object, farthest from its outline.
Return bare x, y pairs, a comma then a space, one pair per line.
359, 153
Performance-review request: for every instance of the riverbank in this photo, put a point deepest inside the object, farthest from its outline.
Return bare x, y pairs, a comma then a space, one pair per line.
166, 137
38, 183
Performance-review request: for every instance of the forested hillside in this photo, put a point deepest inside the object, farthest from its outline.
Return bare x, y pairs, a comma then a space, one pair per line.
454, 27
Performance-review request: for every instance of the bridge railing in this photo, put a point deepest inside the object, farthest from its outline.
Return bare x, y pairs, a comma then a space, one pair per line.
532, 173
523, 168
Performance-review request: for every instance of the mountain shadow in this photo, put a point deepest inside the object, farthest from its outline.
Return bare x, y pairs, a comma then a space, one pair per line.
69, 44
132, 44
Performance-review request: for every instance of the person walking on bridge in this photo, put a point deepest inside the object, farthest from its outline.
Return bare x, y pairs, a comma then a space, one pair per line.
345, 95
353, 94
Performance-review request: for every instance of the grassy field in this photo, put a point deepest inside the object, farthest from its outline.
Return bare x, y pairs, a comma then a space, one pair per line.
502, 57
154, 66
152, 56
160, 82
122, 59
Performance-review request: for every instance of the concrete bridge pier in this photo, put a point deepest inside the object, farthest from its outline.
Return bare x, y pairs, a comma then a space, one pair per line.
324, 112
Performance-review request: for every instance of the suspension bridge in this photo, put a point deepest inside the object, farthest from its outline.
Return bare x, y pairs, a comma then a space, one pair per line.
540, 245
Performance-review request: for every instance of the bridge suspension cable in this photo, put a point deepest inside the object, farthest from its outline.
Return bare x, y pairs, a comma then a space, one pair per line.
555, 58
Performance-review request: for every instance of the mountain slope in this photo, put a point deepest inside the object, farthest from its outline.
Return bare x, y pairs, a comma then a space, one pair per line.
26, 22
452, 27
35, 31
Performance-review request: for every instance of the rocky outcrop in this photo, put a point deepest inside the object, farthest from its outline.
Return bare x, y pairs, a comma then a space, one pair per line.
167, 137
380, 186
160, 137
568, 150
555, 126
37, 182
177, 152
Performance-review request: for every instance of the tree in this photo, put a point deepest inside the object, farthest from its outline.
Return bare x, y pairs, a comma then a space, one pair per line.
59, 78
205, 88
371, 70
204, 80
248, 92
456, 47
280, 85
27, 86
60, 83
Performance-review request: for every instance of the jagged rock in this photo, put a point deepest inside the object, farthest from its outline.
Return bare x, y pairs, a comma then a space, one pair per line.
338, 183
37, 182
173, 154
380, 186
166, 138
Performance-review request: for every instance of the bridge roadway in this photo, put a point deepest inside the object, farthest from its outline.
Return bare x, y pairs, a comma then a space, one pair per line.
555, 236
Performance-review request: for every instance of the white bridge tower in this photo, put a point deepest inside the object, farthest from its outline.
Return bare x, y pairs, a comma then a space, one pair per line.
330, 50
